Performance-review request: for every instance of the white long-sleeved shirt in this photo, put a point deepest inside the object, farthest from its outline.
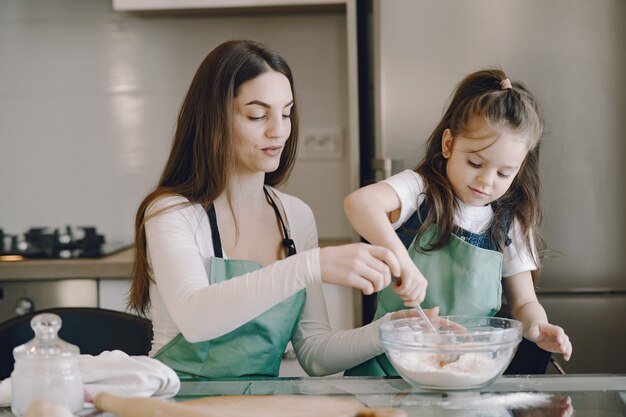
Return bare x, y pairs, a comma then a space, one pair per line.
517, 257
182, 301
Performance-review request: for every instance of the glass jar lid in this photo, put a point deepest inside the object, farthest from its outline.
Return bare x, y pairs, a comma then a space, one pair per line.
46, 343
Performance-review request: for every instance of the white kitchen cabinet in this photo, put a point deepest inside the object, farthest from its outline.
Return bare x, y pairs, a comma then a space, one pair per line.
153, 5
113, 293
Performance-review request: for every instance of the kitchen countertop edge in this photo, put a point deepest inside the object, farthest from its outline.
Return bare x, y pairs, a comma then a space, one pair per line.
115, 266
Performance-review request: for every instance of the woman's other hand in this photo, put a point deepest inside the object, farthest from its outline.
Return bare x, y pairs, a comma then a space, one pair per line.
359, 265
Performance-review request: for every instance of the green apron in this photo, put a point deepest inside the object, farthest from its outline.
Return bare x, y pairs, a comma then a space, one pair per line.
463, 279
254, 349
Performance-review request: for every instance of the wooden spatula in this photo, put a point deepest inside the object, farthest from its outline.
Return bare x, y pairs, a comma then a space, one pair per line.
242, 406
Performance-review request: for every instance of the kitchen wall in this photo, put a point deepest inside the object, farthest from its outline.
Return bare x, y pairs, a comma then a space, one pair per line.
89, 98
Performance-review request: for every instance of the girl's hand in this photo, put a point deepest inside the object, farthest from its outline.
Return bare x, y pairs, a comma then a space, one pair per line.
551, 338
411, 284
431, 313
359, 265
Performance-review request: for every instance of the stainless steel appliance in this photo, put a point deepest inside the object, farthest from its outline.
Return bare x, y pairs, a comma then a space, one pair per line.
25, 296
53, 249
43, 243
572, 56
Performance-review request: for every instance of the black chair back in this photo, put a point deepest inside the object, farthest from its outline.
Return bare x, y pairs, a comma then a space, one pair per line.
93, 330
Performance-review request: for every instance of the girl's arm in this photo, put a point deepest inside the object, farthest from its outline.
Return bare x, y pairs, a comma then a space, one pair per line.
371, 211
525, 307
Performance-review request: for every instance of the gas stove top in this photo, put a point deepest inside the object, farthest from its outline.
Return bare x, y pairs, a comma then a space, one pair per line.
68, 243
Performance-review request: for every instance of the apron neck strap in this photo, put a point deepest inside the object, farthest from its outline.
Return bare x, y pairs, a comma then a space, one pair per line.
287, 242
215, 232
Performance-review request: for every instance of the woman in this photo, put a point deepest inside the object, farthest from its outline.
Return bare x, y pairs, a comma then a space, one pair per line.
228, 266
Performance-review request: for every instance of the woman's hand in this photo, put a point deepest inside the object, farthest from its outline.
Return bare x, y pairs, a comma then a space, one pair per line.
410, 284
431, 313
365, 267
551, 338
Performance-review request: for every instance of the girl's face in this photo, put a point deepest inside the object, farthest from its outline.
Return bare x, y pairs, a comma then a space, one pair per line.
482, 165
261, 122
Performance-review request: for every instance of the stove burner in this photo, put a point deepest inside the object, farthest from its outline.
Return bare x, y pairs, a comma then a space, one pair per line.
39, 243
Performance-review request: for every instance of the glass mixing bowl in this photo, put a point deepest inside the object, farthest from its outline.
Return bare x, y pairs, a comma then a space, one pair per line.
467, 352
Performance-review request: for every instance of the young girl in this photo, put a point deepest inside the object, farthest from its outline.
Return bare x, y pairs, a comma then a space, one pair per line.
228, 266
467, 216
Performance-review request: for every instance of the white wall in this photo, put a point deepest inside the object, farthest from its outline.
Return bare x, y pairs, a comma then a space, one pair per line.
89, 97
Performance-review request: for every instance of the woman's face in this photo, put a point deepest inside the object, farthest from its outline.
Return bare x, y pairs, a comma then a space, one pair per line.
262, 122
482, 165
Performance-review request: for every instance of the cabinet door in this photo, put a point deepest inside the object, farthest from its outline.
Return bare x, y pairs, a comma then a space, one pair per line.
112, 294
595, 325
137, 5
22, 297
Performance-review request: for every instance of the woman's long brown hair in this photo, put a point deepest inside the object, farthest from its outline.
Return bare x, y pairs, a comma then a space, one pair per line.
481, 95
202, 156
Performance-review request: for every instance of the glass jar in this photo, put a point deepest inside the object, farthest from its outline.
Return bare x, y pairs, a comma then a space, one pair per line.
46, 368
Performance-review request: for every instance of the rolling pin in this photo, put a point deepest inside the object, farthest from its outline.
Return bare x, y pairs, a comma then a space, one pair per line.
241, 406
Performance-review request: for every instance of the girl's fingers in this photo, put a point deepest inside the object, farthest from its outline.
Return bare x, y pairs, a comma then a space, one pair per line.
568, 352
552, 338
412, 290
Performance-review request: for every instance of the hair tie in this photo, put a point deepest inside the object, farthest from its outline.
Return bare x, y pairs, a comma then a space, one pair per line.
505, 84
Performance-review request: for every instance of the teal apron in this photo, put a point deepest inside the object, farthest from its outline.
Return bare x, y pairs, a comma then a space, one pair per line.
463, 279
254, 349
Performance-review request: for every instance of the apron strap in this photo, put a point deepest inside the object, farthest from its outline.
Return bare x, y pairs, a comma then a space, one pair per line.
287, 241
408, 230
215, 232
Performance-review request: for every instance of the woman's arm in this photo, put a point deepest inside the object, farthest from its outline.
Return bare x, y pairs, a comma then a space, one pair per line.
179, 250
525, 307
202, 311
322, 351
319, 350
371, 211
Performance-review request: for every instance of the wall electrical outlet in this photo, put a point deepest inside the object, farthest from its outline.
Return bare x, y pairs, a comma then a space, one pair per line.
321, 143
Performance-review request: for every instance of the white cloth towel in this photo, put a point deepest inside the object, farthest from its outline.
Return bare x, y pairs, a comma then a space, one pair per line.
119, 374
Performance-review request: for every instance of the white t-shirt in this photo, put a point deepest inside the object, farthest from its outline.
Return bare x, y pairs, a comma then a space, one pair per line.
182, 301
409, 186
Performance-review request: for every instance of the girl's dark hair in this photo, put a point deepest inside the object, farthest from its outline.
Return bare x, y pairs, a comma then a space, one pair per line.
202, 156
484, 94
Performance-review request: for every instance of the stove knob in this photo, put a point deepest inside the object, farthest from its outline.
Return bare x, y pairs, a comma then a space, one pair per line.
22, 245
24, 306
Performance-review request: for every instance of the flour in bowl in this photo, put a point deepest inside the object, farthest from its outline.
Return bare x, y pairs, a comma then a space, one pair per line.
429, 369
